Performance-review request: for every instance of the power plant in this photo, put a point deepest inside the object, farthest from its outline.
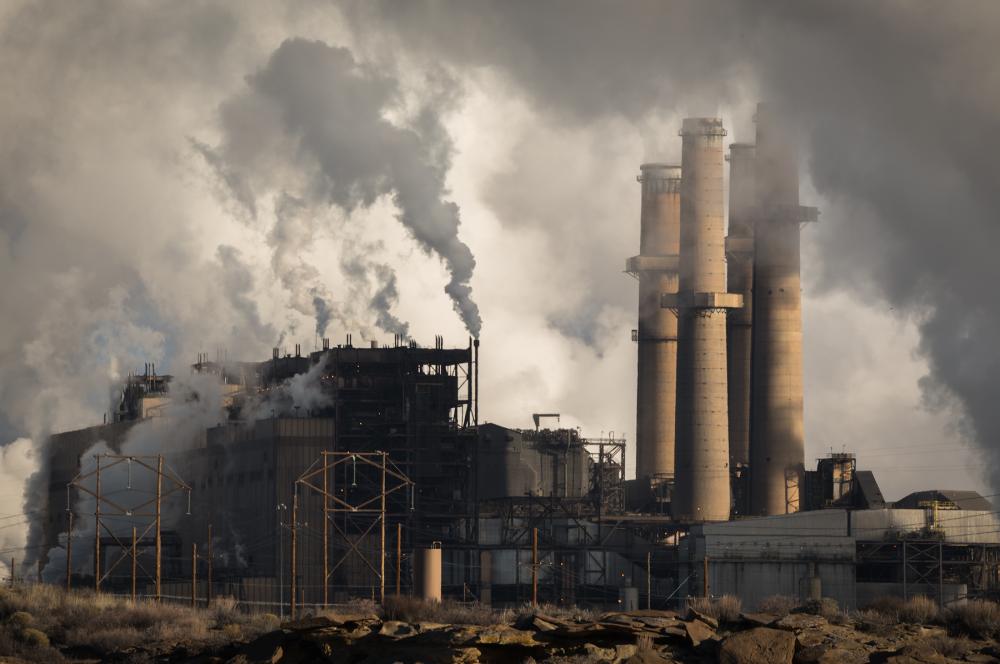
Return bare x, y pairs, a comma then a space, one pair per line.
359, 471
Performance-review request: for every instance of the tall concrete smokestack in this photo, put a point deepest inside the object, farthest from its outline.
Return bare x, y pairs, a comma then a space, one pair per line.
702, 453
656, 269
739, 252
777, 444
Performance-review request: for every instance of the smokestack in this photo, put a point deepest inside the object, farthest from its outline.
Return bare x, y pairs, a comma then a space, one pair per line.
702, 491
739, 252
656, 269
777, 444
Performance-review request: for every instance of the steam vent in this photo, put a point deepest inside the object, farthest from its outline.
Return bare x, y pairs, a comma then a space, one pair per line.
656, 269
702, 490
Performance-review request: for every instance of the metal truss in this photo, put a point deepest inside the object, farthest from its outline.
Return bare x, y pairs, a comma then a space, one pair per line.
354, 510
151, 509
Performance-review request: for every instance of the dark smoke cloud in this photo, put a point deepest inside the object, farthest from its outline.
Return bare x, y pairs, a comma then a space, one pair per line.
327, 115
898, 106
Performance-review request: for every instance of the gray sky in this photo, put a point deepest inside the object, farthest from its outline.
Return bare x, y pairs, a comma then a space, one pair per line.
177, 178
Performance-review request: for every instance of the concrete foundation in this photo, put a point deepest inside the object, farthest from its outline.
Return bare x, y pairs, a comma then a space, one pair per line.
656, 269
702, 490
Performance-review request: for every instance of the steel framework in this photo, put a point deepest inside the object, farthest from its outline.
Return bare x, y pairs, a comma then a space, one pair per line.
354, 511
138, 510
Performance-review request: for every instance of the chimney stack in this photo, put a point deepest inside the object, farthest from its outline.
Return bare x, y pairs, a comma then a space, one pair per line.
777, 445
702, 490
656, 269
739, 252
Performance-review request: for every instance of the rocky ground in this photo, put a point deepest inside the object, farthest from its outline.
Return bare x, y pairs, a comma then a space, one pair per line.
638, 637
45, 624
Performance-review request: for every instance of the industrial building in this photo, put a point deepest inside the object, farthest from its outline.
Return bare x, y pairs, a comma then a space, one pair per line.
328, 475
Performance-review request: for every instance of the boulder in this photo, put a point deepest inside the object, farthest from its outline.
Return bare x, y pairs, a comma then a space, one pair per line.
395, 629
543, 624
647, 657
265, 649
824, 654
810, 637
694, 614
759, 619
798, 621
598, 654
697, 631
760, 645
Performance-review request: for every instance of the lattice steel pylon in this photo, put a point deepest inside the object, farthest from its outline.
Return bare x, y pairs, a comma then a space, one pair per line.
361, 504
138, 510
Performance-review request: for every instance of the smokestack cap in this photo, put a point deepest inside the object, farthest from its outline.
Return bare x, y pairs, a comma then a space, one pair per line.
659, 172
702, 127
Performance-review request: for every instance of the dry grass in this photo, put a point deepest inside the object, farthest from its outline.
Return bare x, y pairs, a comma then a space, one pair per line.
919, 610
413, 609
724, 609
949, 646
888, 610
976, 618
106, 624
567, 613
778, 605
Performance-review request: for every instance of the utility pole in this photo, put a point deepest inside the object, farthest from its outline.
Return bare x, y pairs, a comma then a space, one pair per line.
69, 553
208, 580
194, 574
159, 541
649, 583
295, 524
12, 571
381, 569
326, 541
704, 574
134, 554
97, 529
399, 555
534, 566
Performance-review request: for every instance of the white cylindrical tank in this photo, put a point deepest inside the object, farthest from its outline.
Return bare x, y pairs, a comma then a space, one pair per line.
427, 573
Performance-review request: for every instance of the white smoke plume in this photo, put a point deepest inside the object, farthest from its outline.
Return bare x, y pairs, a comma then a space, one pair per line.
316, 116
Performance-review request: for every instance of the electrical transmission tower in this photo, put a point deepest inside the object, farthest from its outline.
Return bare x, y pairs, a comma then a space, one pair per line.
151, 470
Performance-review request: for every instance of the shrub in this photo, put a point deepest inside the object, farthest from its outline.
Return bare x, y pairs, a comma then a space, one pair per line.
779, 605
724, 609
259, 623
919, 609
22, 619
953, 647
35, 638
232, 631
413, 609
978, 618
871, 620
883, 610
